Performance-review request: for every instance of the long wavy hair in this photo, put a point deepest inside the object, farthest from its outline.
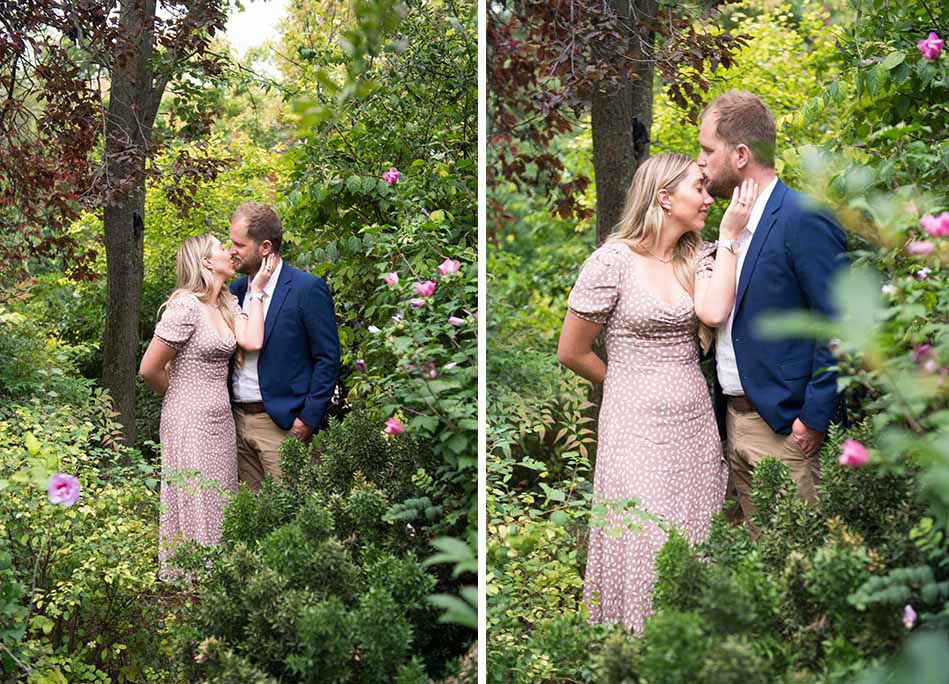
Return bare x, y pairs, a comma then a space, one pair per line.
192, 278
641, 225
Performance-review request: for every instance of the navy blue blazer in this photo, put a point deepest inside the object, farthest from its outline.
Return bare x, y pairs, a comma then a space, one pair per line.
793, 254
299, 363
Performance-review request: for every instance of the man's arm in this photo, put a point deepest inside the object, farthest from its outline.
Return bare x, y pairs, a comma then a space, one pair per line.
818, 251
316, 307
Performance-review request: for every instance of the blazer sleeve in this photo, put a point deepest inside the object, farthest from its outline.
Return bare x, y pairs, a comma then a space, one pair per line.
818, 249
316, 308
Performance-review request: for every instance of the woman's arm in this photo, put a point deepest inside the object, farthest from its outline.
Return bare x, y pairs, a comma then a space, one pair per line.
249, 329
575, 349
715, 296
154, 366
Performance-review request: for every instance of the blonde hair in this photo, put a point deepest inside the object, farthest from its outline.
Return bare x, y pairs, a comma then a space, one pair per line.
192, 278
640, 227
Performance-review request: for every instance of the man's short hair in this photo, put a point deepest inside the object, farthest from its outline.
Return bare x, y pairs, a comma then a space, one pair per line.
262, 223
744, 119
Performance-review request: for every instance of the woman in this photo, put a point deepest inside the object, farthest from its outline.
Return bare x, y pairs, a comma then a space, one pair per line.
187, 362
654, 290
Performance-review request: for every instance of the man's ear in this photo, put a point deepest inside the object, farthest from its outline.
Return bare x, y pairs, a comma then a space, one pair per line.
742, 156
266, 248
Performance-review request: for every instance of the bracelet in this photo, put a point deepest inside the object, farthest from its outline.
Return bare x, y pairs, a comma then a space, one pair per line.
255, 295
730, 245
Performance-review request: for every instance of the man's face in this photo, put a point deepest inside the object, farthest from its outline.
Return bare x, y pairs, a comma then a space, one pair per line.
717, 160
245, 252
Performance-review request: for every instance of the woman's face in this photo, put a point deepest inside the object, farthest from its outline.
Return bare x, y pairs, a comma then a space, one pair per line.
689, 202
221, 260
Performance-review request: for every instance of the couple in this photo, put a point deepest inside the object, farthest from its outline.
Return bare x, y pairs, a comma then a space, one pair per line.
241, 369
654, 290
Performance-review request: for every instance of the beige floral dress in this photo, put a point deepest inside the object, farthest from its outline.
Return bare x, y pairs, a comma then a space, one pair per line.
198, 440
657, 439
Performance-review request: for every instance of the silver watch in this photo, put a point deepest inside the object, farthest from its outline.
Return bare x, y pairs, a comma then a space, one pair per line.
730, 245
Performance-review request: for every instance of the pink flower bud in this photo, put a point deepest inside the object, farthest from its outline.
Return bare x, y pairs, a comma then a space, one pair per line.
853, 455
426, 288
923, 273
393, 427
455, 321
930, 47
921, 352
429, 370
909, 616
920, 247
448, 266
931, 366
63, 489
391, 278
417, 302
361, 365
449, 365
391, 176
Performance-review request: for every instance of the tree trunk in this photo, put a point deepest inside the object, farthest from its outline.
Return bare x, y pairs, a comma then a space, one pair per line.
132, 108
621, 120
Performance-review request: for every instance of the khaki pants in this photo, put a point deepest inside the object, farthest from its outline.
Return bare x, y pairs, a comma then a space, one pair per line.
258, 447
750, 440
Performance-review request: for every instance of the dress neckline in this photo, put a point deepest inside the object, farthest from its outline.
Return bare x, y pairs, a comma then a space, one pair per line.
648, 291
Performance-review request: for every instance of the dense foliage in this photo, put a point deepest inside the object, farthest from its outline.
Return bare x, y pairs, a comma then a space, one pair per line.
358, 566
831, 594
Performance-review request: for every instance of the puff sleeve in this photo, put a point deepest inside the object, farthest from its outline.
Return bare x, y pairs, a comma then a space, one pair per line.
596, 291
235, 305
178, 320
705, 262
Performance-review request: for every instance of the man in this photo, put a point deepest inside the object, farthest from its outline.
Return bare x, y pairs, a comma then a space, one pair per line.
284, 389
771, 395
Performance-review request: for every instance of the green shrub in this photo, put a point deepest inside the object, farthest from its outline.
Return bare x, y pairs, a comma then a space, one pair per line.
787, 523
250, 517
741, 599
674, 648
734, 661
680, 575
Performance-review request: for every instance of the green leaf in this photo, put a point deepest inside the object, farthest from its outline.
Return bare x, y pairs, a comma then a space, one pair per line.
32, 444
892, 60
456, 611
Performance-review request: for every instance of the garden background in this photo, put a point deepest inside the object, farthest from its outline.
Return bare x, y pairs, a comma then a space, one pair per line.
855, 590
126, 128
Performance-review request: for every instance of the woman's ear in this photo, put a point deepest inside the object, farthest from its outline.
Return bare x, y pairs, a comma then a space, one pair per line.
664, 200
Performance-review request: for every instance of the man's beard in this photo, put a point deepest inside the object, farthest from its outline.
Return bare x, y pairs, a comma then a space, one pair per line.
248, 268
724, 186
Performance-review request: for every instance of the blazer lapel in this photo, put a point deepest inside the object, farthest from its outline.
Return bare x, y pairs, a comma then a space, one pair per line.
279, 296
768, 218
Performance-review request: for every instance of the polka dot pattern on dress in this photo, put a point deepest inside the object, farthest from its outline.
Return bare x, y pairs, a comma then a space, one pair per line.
657, 438
197, 428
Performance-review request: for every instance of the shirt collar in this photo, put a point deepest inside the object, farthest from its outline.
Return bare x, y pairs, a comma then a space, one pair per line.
274, 277
758, 210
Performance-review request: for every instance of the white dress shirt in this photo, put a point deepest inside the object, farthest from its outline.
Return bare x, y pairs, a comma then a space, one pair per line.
725, 361
246, 383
